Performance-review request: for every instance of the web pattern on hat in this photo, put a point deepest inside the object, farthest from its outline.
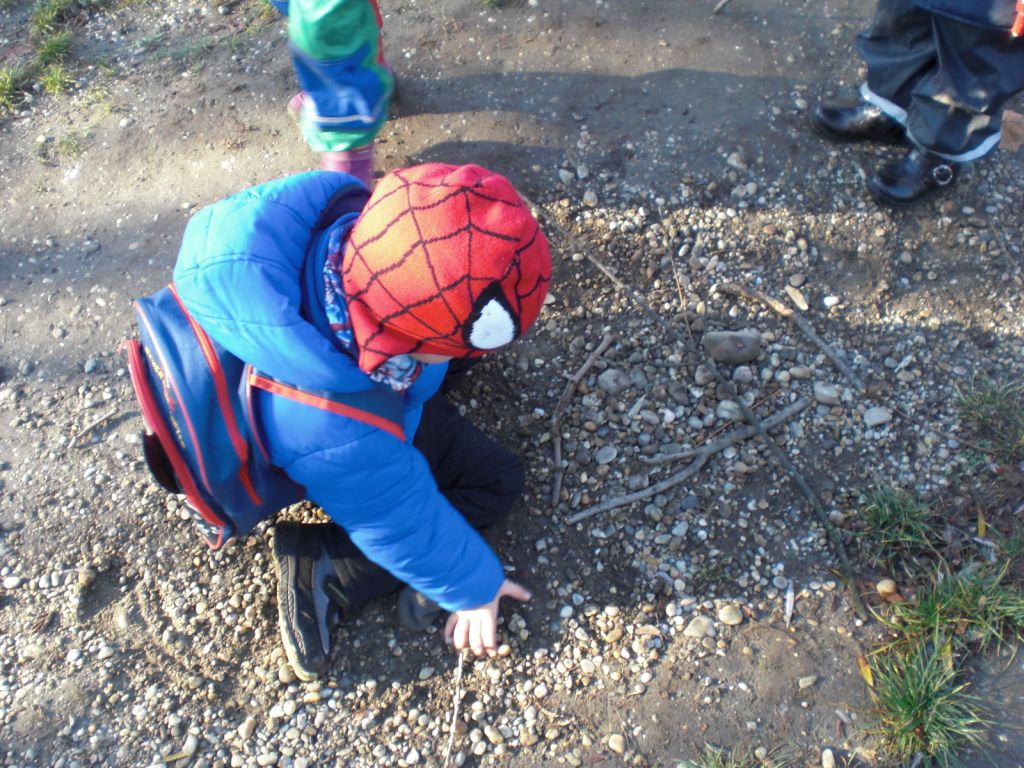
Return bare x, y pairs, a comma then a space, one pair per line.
438, 317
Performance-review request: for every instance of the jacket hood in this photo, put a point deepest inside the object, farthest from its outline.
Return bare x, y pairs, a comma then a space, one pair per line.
240, 273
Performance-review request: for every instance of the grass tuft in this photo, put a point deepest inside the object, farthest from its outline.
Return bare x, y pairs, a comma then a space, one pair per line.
48, 15
265, 13
921, 707
12, 83
994, 413
716, 757
898, 526
55, 79
54, 49
975, 605
71, 146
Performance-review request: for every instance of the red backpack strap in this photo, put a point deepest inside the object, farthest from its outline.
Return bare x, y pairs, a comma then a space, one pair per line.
157, 425
377, 407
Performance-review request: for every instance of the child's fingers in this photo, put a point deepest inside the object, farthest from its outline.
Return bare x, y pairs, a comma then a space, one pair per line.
489, 636
475, 639
460, 637
449, 628
517, 591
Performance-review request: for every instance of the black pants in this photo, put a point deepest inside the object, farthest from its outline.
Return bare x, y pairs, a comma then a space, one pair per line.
480, 478
945, 81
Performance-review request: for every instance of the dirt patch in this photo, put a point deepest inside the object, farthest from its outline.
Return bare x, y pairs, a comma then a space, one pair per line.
669, 142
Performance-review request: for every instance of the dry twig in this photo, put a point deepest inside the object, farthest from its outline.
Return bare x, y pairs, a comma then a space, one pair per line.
89, 428
700, 456
741, 434
750, 294
563, 403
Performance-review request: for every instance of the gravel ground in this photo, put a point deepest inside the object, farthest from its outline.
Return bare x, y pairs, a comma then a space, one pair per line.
656, 626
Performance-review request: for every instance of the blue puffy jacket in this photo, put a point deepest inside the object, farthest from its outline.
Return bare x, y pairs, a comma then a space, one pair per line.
241, 271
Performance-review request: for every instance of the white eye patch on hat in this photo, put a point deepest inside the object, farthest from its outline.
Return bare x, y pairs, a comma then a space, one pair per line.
493, 322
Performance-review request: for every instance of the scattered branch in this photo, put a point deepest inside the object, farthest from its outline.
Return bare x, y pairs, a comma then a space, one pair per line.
744, 433
805, 327
563, 403
719, 6
700, 456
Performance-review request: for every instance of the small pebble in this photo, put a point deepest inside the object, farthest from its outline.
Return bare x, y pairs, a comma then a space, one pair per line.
730, 614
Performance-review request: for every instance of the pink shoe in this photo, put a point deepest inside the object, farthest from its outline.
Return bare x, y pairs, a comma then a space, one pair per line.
295, 104
357, 162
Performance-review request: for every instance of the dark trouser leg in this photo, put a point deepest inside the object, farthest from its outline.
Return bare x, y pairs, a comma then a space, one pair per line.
480, 478
898, 50
956, 108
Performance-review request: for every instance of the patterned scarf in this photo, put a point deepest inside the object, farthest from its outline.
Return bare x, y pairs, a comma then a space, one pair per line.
397, 372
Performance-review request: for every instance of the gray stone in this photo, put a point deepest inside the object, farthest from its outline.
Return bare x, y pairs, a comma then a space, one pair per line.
877, 416
617, 743
613, 381
742, 374
729, 410
827, 393
699, 628
730, 614
733, 347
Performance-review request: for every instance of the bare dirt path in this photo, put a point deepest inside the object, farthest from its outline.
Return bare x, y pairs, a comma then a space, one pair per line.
661, 137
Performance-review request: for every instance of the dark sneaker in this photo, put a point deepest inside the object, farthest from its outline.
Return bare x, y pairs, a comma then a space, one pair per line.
416, 611
310, 599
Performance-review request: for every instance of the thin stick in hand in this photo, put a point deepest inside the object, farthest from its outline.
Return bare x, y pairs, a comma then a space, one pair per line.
456, 700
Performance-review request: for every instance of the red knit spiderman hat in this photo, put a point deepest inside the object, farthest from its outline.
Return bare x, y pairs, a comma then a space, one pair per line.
445, 260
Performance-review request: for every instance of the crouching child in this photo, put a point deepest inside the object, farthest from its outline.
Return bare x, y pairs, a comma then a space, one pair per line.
309, 329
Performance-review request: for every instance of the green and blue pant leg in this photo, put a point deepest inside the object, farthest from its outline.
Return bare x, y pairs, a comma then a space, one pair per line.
338, 55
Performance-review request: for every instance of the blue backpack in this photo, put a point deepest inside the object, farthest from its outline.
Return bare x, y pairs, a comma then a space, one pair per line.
202, 437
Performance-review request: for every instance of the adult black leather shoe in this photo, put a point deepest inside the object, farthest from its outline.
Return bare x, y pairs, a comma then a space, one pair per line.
855, 121
909, 180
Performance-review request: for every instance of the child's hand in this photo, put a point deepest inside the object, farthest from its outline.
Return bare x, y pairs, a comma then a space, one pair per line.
477, 627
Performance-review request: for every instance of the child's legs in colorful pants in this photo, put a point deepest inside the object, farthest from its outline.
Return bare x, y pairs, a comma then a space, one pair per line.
339, 62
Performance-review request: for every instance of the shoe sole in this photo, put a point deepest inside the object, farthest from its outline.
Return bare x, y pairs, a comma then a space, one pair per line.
889, 202
284, 605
